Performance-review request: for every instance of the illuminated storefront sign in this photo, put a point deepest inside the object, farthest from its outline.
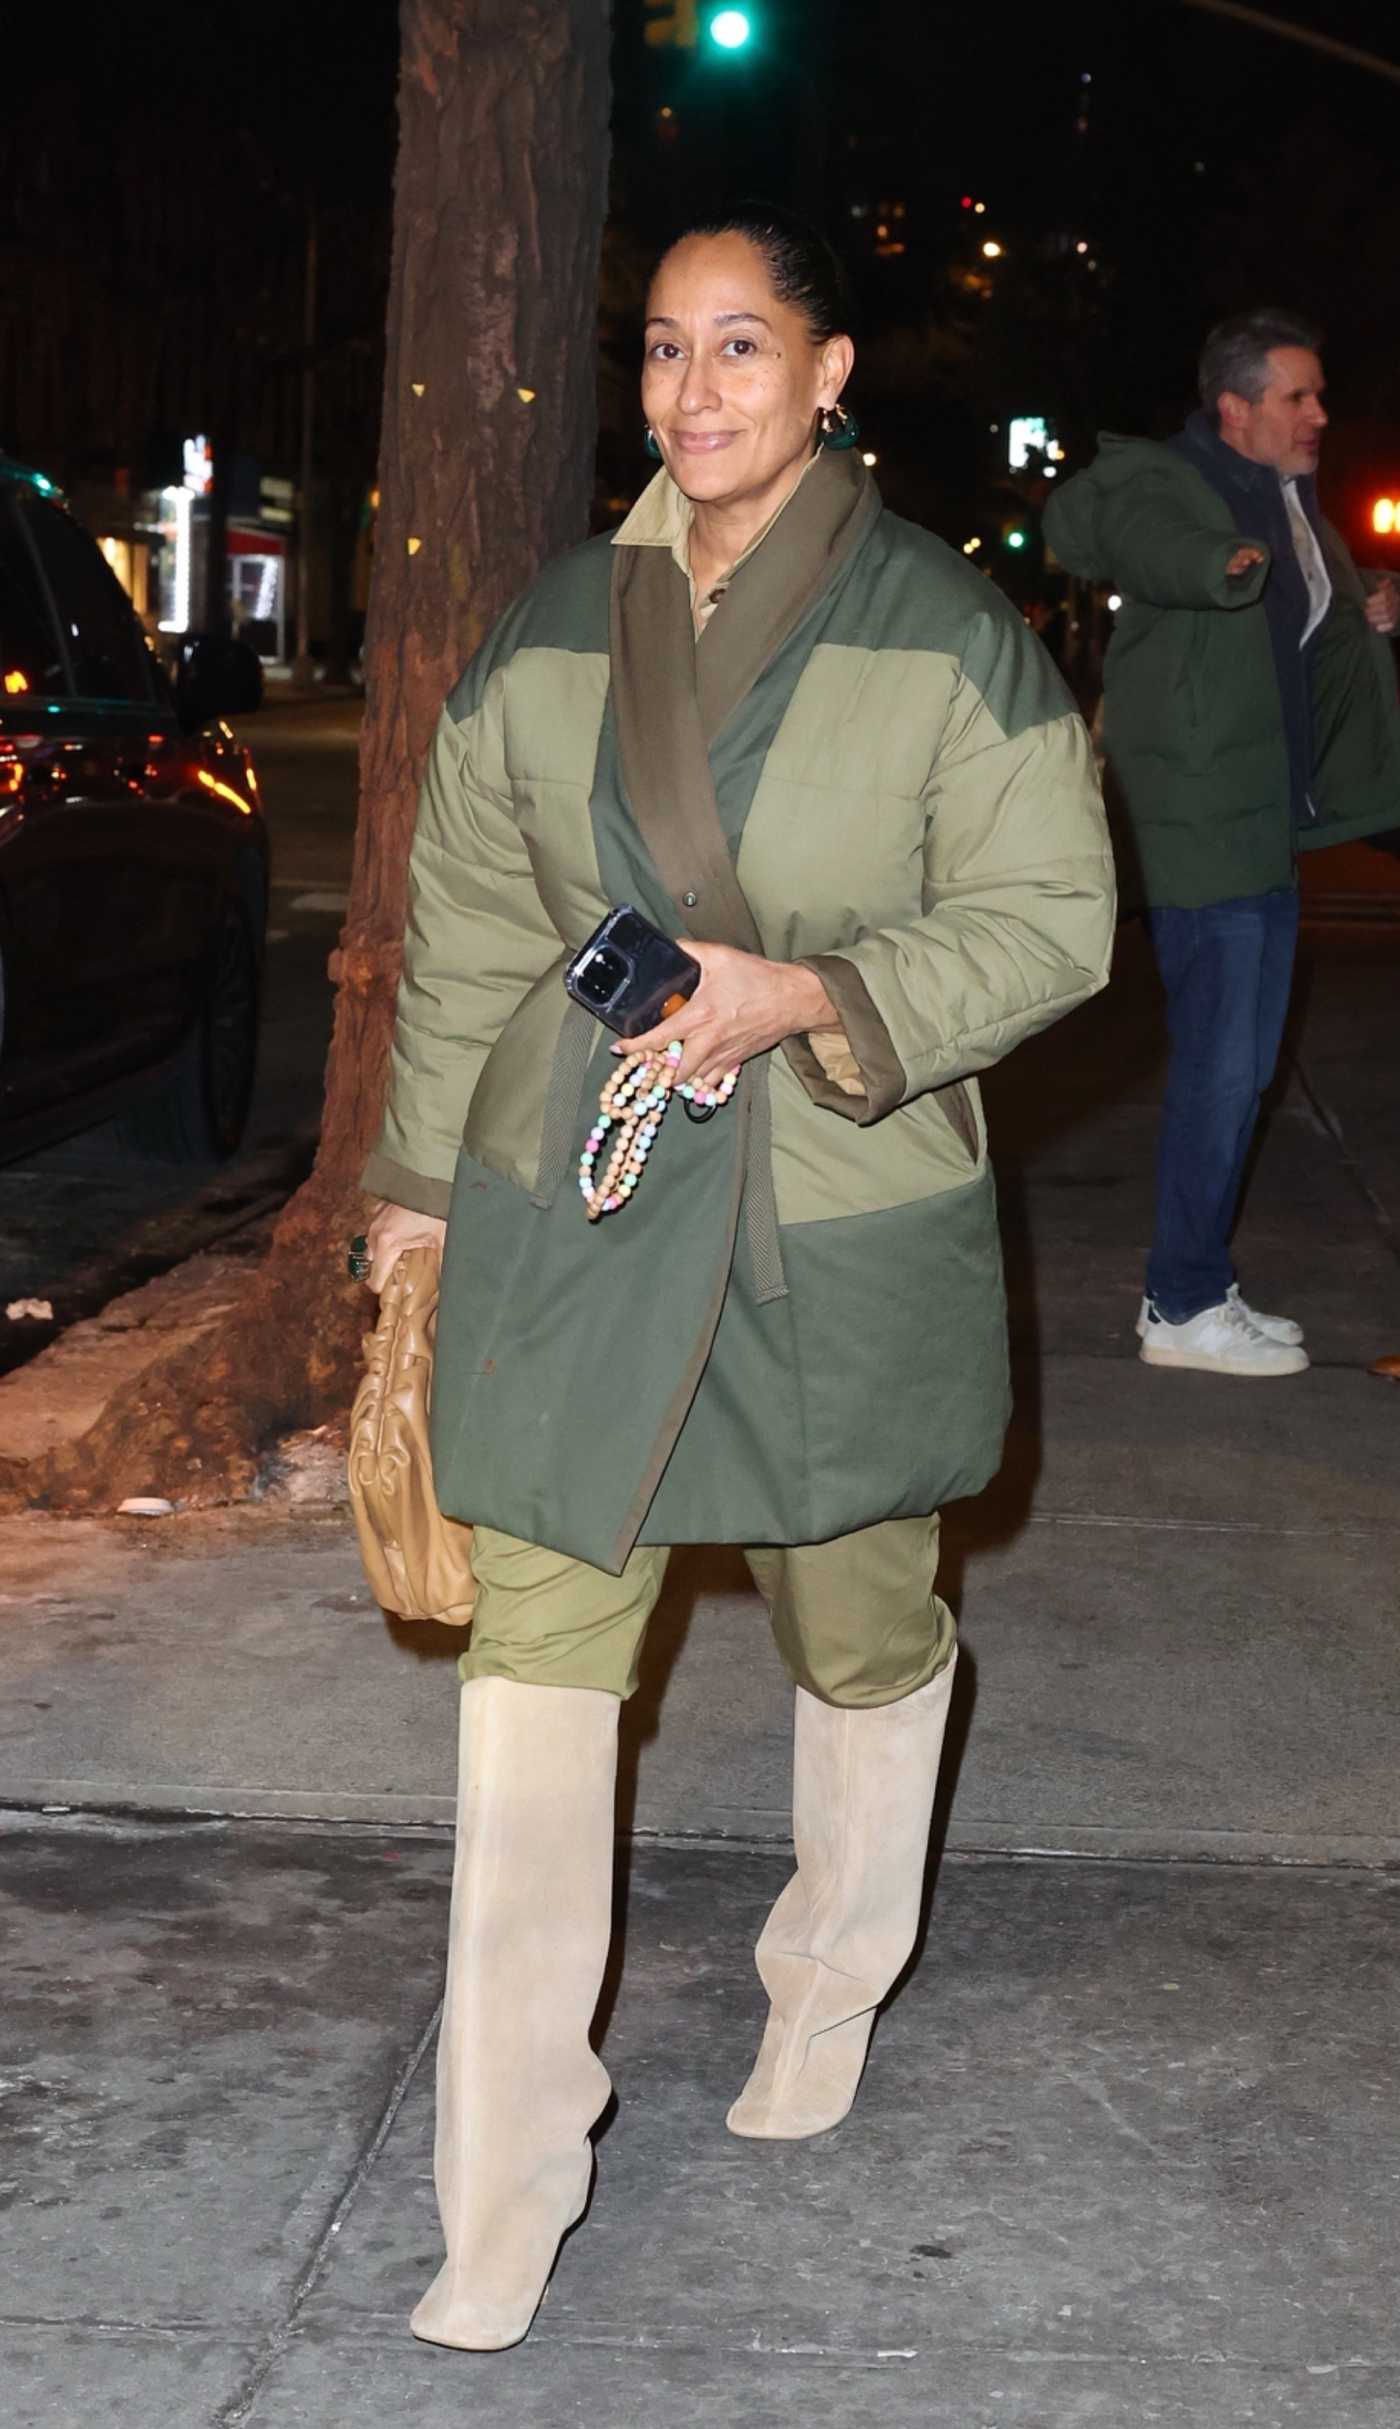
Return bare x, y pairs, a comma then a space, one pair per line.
177, 508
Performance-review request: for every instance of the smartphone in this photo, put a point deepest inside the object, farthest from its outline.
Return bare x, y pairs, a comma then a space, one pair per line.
629, 975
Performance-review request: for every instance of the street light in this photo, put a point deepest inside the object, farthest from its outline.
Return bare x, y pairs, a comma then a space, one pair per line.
731, 28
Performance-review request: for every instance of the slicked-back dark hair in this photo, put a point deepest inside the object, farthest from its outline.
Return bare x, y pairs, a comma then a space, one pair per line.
1236, 353
802, 268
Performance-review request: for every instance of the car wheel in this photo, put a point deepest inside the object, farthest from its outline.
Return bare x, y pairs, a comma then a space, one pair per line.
198, 1116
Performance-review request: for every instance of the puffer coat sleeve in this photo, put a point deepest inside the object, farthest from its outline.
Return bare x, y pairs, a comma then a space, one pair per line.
477, 938
1132, 519
1018, 894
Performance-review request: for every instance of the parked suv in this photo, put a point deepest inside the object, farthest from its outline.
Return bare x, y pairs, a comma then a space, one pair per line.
133, 858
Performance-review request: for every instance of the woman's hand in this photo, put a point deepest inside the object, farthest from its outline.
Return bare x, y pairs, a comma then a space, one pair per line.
742, 1006
1244, 561
1383, 607
393, 1229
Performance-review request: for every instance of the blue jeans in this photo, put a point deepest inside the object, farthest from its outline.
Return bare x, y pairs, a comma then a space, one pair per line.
1227, 970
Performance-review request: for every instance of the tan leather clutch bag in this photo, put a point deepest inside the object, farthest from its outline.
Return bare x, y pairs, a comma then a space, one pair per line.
417, 1562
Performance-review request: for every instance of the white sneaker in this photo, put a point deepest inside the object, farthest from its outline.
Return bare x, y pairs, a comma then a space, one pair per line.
1220, 1341
1276, 1328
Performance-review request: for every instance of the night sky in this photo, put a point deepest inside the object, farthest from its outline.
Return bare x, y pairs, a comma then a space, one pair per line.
163, 163
1204, 167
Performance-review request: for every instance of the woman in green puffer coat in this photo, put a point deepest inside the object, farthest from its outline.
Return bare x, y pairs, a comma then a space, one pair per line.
807, 739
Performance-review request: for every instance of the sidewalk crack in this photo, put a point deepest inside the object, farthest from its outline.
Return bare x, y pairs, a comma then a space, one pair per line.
241, 2402
1351, 1161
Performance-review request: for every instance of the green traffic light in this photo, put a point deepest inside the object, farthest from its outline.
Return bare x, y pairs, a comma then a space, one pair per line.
731, 29
1015, 539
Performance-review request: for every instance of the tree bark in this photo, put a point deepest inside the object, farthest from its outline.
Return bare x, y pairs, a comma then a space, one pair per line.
486, 459
486, 468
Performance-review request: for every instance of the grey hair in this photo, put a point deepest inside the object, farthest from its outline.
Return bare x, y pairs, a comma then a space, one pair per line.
1236, 353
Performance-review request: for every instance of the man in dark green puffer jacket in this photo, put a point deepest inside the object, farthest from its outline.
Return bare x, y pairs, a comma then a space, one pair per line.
1250, 712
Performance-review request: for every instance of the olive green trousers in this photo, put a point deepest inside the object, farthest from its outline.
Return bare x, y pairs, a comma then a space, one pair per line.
856, 1620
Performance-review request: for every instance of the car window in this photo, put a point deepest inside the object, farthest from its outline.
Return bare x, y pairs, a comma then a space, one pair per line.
105, 643
31, 655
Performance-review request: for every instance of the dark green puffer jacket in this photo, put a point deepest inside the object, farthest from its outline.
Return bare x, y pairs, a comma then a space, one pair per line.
797, 1328
1193, 721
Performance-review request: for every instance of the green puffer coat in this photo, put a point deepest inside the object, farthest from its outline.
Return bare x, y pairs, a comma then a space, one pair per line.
1193, 726
796, 1327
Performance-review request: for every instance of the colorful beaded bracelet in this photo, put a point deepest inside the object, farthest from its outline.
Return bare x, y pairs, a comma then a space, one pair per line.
634, 1103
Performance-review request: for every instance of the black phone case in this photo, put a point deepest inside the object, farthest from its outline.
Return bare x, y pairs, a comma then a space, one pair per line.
656, 968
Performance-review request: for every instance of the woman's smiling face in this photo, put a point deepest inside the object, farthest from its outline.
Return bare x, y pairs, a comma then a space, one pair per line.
733, 380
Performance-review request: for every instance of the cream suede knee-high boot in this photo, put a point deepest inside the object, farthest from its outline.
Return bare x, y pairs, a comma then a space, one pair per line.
518, 2085
862, 1802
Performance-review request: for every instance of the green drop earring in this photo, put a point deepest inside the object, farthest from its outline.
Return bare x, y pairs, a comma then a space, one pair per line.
652, 444
837, 429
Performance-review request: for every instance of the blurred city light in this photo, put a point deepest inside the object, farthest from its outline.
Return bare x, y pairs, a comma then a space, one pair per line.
1385, 515
1029, 435
731, 29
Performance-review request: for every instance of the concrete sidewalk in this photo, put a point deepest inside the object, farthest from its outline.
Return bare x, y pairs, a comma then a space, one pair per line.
1178, 1600
1125, 2153
1127, 2150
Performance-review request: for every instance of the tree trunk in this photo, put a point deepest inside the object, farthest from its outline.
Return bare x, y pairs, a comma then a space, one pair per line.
486, 468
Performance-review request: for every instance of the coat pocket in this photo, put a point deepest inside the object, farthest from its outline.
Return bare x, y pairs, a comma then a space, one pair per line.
956, 1102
